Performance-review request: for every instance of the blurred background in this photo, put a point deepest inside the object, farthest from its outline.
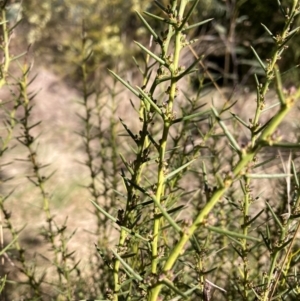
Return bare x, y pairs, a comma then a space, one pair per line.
54, 29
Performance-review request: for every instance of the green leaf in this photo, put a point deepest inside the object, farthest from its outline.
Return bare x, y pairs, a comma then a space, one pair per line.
188, 292
190, 68
268, 176
155, 36
2, 282
229, 107
148, 99
232, 234
178, 208
126, 165
281, 247
286, 145
143, 190
275, 216
158, 59
264, 162
155, 17
268, 31
173, 173
279, 88
161, 6
13, 58
156, 145
137, 65
165, 214
293, 31
258, 59
134, 138
127, 85
266, 241
254, 218
295, 174
104, 212
127, 266
270, 107
2, 251
237, 251
188, 15
226, 131
192, 116
116, 221
240, 120
197, 24
281, 8
170, 285
196, 245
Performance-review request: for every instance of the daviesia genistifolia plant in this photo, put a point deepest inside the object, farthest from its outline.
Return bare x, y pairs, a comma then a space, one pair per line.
186, 201
165, 252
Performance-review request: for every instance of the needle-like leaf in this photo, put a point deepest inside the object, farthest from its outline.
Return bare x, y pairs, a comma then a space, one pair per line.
158, 59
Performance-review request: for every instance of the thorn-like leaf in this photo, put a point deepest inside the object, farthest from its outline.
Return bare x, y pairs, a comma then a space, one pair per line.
197, 24
129, 131
232, 234
127, 266
137, 65
174, 172
127, 85
171, 286
113, 219
126, 164
275, 216
295, 174
254, 218
258, 59
268, 31
268, 176
148, 99
161, 6
264, 162
2, 251
279, 88
154, 56
155, 17
266, 241
281, 8
188, 15
178, 208
165, 214
192, 116
155, 36
226, 131
240, 120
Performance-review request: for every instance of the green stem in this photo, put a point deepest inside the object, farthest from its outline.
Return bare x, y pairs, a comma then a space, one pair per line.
217, 194
168, 117
246, 206
5, 48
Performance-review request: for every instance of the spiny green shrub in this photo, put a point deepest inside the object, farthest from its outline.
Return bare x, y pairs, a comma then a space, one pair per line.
168, 249
185, 195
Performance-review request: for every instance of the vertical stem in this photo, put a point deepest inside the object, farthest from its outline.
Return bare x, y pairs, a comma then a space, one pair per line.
246, 205
5, 48
167, 120
217, 194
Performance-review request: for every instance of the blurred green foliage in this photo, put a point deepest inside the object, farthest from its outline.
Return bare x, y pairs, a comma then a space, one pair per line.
54, 28
238, 24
